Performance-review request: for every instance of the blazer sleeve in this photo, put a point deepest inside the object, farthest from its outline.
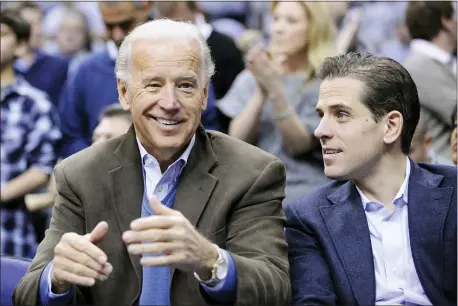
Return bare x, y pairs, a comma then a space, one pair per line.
255, 239
67, 216
311, 281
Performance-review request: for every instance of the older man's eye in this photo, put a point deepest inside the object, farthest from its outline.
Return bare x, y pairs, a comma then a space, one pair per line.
153, 86
186, 86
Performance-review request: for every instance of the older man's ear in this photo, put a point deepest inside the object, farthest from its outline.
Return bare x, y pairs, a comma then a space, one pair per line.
122, 93
205, 99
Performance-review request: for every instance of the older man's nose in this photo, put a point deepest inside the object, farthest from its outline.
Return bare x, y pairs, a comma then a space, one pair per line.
169, 101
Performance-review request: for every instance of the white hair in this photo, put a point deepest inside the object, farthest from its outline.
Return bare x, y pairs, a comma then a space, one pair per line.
164, 29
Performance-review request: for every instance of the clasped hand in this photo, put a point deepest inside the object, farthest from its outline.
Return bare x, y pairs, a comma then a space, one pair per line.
263, 69
78, 260
169, 234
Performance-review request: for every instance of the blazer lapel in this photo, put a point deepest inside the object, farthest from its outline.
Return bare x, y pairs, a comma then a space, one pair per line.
428, 206
347, 225
196, 183
127, 189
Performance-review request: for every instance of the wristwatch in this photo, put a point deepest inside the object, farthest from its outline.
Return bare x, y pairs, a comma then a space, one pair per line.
219, 270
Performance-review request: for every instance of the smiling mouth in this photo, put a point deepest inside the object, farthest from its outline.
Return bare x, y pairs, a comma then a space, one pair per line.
166, 122
331, 151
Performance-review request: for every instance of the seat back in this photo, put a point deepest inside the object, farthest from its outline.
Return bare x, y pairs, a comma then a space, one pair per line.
12, 270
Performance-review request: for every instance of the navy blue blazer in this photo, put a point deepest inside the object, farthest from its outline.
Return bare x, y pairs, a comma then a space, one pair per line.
330, 250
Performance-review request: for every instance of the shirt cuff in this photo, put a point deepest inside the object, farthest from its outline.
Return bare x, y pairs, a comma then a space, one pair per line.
47, 297
226, 291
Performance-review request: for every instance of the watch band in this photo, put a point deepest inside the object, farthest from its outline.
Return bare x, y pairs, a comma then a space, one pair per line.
214, 280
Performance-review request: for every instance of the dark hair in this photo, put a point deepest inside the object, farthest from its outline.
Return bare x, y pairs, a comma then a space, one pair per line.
387, 87
115, 110
424, 18
19, 26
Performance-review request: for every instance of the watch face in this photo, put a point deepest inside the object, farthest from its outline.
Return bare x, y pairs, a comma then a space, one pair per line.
221, 271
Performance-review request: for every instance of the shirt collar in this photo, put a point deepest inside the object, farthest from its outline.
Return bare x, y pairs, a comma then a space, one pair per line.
402, 193
112, 50
429, 49
14, 88
183, 157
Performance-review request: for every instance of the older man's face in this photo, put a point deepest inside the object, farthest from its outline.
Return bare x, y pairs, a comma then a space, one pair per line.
165, 94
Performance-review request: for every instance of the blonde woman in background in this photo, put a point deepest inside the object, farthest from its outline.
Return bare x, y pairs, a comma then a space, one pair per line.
272, 103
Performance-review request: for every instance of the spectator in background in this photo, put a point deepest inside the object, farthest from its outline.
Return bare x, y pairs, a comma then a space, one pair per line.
92, 86
114, 121
421, 145
272, 104
29, 133
227, 57
453, 137
432, 26
73, 38
45, 72
54, 15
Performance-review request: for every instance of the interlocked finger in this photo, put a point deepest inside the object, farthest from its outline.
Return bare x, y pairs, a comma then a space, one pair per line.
77, 256
82, 244
150, 235
156, 248
76, 268
73, 278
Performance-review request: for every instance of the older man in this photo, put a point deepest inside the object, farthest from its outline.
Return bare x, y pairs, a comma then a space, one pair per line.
168, 213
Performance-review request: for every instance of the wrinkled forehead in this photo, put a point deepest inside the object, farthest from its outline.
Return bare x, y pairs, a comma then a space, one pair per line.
148, 54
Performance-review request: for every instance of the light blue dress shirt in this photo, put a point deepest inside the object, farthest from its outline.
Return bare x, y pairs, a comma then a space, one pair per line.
396, 280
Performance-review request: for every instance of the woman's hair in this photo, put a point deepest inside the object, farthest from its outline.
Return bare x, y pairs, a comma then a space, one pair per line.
71, 11
321, 32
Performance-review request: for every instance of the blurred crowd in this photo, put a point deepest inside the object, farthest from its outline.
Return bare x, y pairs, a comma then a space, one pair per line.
59, 91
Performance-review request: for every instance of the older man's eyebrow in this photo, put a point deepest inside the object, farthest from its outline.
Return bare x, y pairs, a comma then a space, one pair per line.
150, 79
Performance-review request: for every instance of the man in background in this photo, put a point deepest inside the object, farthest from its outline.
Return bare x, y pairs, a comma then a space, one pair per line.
114, 121
43, 71
432, 64
29, 134
93, 85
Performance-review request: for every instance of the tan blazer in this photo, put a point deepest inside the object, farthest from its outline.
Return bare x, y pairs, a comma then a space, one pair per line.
230, 190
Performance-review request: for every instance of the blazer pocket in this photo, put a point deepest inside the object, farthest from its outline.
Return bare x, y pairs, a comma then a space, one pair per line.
219, 237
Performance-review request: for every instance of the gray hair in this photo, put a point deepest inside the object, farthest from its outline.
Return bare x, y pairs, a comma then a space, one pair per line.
164, 29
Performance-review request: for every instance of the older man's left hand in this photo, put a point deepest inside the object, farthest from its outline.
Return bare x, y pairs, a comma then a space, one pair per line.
170, 234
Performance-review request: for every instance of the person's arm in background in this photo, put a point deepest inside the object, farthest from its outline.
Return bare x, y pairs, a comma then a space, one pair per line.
297, 139
41, 151
72, 115
246, 125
